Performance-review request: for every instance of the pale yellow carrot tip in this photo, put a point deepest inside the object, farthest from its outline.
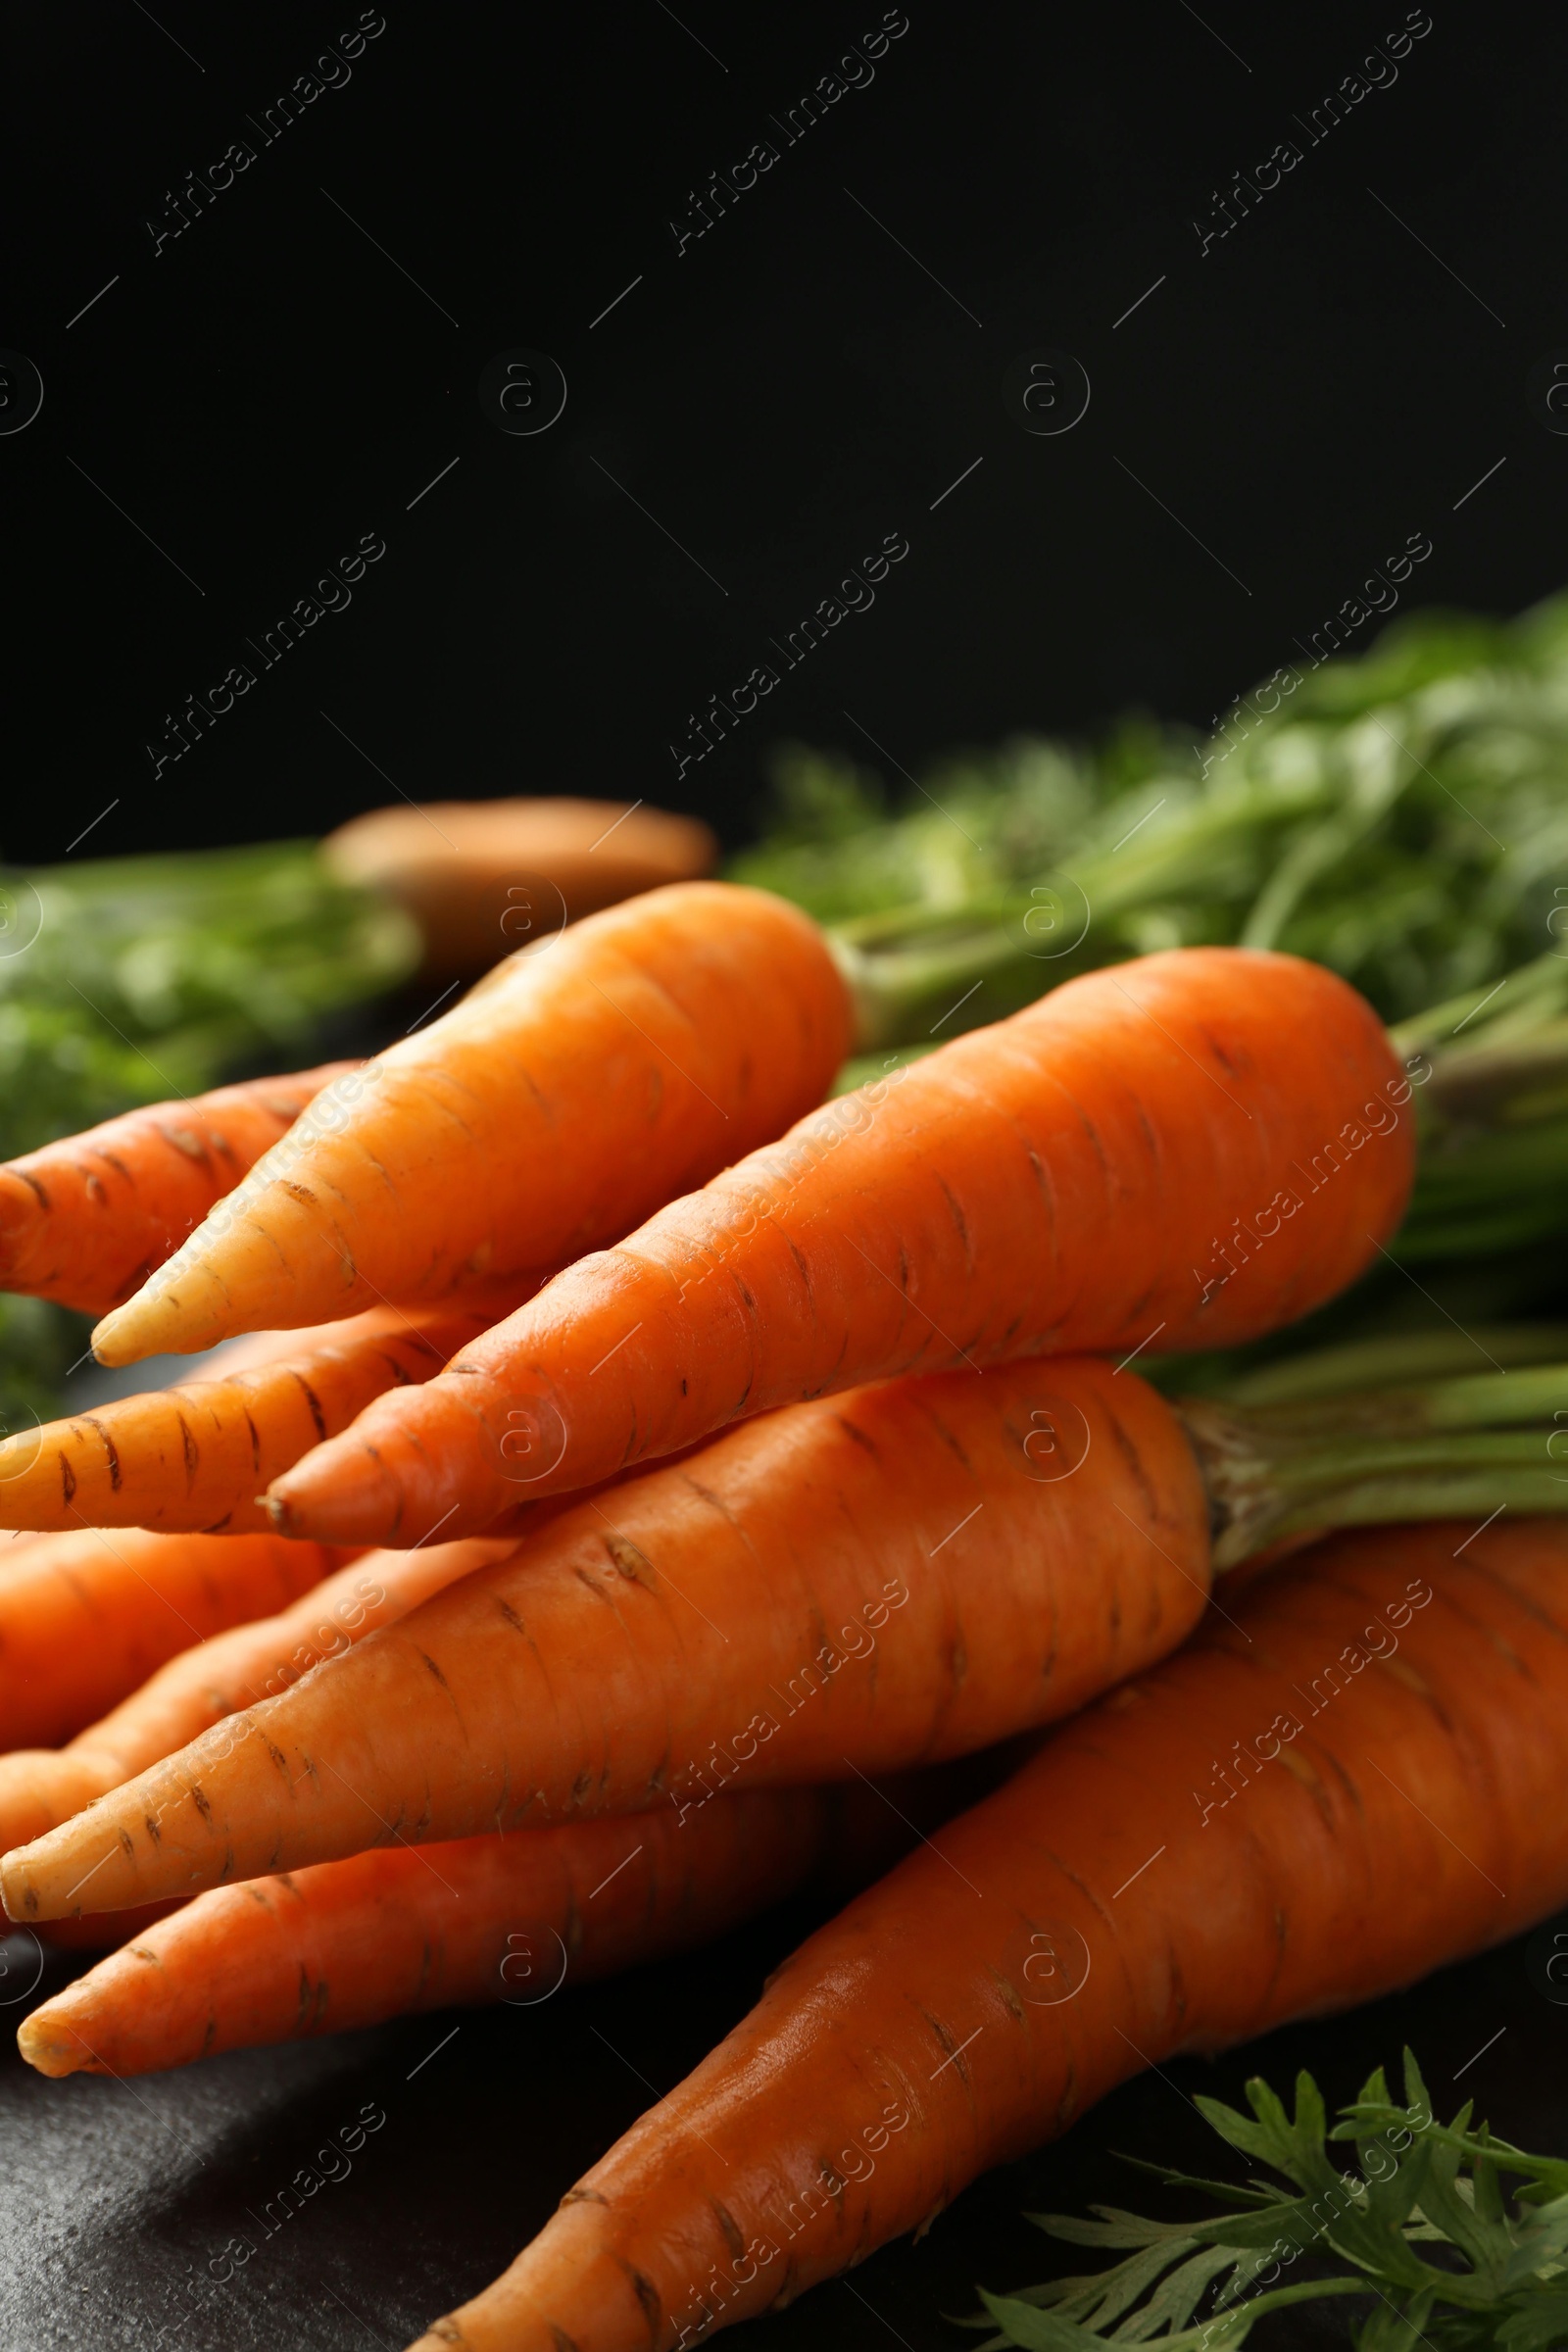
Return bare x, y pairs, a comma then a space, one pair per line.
158, 1322
52, 2048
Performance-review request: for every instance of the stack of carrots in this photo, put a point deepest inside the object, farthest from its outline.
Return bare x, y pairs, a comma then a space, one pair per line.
633, 1456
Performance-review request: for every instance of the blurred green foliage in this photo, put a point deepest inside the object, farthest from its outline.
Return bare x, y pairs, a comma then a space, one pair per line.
136, 979
1402, 818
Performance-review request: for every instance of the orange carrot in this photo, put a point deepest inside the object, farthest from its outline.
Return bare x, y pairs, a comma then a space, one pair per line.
1109, 1907
477, 1920
85, 1617
866, 1583
197, 1455
1188, 1149
484, 1919
483, 877
40, 1786
582, 1084
84, 1221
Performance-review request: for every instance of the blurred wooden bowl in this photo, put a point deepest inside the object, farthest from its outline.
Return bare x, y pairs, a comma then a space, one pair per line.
483, 878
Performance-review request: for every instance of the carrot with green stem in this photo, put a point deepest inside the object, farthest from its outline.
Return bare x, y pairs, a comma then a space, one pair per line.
1357, 1781
911, 1572
479, 1920
198, 1455
84, 1221
582, 1084
207, 1681
1189, 1150
85, 1617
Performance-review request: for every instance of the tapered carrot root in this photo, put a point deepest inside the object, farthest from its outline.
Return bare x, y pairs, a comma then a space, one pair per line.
910, 1572
42, 1786
197, 1456
1109, 1907
484, 1919
1189, 1149
570, 1092
84, 1221
84, 1617
478, 1920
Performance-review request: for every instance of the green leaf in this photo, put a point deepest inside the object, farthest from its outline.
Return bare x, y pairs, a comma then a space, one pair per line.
1037, 2331
1417, 2183
1540, 2239
1391, 2330
1171, 2306
1225, 2191
1111, 2228
1533, 2324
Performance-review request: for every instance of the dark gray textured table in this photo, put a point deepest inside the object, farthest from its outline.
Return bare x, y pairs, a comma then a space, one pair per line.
117, 2200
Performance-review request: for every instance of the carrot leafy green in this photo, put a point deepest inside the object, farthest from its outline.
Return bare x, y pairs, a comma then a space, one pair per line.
1445, 2236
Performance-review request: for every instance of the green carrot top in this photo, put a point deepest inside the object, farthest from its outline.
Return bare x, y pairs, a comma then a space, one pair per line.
1493, 2217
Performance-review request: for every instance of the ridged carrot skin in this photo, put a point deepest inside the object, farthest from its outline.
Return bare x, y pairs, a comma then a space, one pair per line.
84, 1618
198, 1455
580, 1085
398, 1931
1186, 1149
84, 1221
1092, 1917
198, 1688
478, 1920
871, 1582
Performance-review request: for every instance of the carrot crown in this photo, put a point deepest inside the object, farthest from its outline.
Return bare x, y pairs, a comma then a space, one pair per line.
1433, 1449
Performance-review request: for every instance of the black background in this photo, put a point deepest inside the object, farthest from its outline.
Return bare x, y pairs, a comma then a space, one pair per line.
794, 385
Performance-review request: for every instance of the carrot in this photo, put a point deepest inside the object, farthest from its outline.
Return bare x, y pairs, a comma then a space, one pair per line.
85, 1617
197, 1455
476, 1920
578, 1085
1192, 1148
85, 1221
198, 1688
910, 1572
484, 1919
481, 877
1109, 1907
920, 1594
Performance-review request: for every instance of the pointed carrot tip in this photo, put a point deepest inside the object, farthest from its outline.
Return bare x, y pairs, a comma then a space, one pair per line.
113, 1343
344, 1497
158, 1323
50, 2053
